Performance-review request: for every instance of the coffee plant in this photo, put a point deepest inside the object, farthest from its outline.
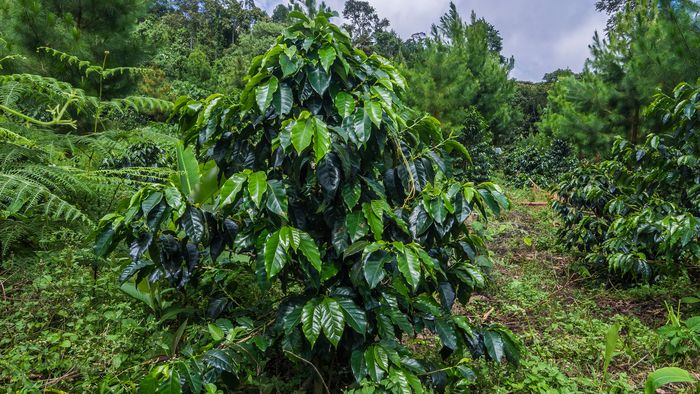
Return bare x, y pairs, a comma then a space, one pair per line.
322, 230
526, 164
638, 213
476, 135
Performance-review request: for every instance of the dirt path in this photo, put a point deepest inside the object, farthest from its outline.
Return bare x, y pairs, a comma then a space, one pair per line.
563, 317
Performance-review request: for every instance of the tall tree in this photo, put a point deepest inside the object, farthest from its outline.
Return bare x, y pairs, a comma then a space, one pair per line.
363, 23
652, 46
457, 68
86, 29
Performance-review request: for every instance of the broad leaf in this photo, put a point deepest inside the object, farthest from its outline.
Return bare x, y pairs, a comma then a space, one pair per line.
276, 198
308, 247
264, 93
257, 185
283, 99
664, 376
409, 265
275, 255
311, 321
354, 316
345, 104
322, 140
327, 55
302, 134
332, 320
319, 79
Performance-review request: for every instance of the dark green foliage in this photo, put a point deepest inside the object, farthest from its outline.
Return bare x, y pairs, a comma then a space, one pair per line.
88, 29
478, 140
528, 164
336, 197
637, 213
652, 46
458, 68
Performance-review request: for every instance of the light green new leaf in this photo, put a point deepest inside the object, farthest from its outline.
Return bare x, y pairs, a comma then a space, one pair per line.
345, 103
611, 339
664, 376
264, 93
374, 110
302, 134
327, 55
188, 167
322, 140
230, 189
275, 255
375, 223
257, 184
309, 249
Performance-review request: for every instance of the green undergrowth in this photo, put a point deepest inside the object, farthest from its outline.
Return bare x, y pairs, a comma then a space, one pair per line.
65, 331
562, 317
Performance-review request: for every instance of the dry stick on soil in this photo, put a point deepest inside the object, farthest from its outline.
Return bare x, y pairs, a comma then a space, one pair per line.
71, 374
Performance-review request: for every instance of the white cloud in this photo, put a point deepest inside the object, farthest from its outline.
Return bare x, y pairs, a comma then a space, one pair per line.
542, 35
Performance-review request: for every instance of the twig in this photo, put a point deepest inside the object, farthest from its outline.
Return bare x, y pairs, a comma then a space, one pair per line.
67, 376
328, 391
2, 286
486, 316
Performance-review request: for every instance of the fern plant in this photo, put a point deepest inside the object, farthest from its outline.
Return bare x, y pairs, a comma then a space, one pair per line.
51, 176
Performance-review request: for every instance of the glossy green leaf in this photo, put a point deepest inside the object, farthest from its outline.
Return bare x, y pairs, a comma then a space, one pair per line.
257, 185
311, 321
188, 167
327, 55
192, 222
322, 140
410, 268
374, 110
374, 370
231, 188
373, 269
332, 320
376, 224
354, 316
345, 104
308, 247
319, 80
302, 135
264, 93
277, 198
362, 127
275, 255
283, 99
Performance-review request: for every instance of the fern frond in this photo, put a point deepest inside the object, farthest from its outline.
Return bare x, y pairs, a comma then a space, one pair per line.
66, 57
141, 105
12, 137
19, 194
12, 232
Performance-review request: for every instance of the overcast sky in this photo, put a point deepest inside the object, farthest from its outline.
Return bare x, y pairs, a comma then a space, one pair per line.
542, 35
